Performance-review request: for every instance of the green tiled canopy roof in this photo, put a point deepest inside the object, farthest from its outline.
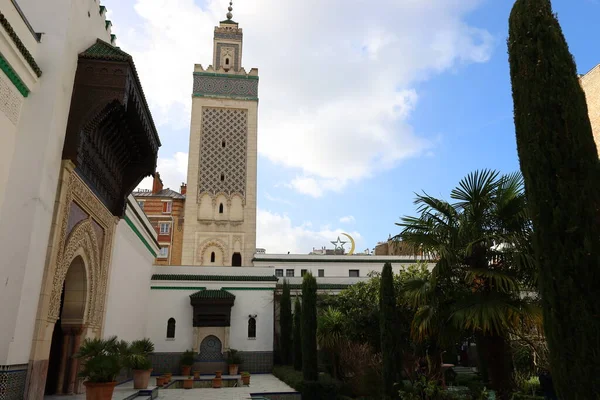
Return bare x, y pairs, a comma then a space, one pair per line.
104, 51
228, 278
212, 294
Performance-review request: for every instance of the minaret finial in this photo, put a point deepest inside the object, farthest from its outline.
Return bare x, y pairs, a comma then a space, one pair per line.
230, 8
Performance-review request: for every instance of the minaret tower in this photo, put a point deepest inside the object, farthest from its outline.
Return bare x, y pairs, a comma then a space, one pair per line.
220, 207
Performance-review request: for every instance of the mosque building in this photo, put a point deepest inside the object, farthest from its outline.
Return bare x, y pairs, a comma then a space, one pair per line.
80, 252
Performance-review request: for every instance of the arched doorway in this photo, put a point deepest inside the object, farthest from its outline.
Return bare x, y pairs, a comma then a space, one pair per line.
211, 349
236, 260
68, 331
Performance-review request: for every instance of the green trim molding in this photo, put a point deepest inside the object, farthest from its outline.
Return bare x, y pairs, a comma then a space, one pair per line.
177, 288
13, 76
139, 235
320, 286
230, 76
248, 288
220, 96
326, 259
22, 49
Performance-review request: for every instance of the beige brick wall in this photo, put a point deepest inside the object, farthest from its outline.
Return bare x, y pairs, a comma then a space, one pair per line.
591, 86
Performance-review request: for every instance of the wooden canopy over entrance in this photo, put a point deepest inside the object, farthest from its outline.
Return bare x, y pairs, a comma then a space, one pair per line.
111, 137
212, 308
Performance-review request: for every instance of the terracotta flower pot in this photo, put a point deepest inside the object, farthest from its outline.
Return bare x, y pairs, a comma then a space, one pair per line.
188, 383
99, 391
160, 380
141, 378
168, 377
246, 380
218, 374
196, 374
185, 370
217, 383
233, 369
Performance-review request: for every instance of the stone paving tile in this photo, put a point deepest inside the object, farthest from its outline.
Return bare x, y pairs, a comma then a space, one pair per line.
258, 384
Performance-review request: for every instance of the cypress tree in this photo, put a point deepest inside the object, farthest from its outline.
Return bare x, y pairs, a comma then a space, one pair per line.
297, 335
285, 323
560, 166
309, 328
387, 325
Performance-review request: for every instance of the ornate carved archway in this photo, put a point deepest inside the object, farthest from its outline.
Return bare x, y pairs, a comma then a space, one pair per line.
204, 246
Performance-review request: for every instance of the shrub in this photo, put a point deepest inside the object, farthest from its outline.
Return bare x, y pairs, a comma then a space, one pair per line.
297, 335
285, 323
326, 388
521, 396
309, 328
187, 358
138, 353
233, 357
102, 359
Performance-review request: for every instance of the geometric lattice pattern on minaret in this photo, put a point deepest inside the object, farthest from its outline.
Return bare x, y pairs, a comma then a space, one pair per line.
223, 151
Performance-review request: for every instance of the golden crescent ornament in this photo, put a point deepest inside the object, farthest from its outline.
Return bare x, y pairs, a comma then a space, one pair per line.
351, 241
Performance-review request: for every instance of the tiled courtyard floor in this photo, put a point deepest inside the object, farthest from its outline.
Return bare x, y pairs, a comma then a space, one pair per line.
258, 384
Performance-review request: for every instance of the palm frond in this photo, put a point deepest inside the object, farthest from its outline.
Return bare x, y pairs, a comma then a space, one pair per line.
498, 281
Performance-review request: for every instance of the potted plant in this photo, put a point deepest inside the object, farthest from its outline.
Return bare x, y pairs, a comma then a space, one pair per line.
196, 374
187, 361
101, 362
137, 359
217, 382
188, 383
168, 376
246, 378
160, 380
234, 360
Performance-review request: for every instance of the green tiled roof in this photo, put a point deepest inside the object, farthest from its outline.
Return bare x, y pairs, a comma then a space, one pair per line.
228, 278
212, 294
105, 51
321, 286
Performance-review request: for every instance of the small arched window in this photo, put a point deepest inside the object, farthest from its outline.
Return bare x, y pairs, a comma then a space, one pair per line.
212, 257
223, 144
252, 327
227, 61
222, 177
171, 328
221, 208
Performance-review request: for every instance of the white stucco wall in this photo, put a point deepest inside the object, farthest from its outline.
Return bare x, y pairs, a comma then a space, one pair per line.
175, 303
130, 273
27, 208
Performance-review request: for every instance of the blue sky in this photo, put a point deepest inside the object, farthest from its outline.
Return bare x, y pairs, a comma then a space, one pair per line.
360, 107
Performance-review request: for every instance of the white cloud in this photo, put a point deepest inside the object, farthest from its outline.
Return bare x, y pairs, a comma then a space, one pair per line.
348, 219
277, 234
278, 199
337, 79
173, 171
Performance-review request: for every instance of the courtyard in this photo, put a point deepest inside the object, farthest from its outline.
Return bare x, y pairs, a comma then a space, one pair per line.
260, 383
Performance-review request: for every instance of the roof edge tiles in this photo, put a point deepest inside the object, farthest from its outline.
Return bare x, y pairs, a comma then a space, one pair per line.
212, 294
348, 259
20, 45
227, 278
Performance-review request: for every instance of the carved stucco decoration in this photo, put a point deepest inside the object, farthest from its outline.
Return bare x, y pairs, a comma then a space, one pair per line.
212, 242
84, 237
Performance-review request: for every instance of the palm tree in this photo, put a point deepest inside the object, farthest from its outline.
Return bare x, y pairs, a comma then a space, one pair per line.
330, 334
483, 253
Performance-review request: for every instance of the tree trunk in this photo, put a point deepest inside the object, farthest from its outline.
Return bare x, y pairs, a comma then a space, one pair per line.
497, 355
